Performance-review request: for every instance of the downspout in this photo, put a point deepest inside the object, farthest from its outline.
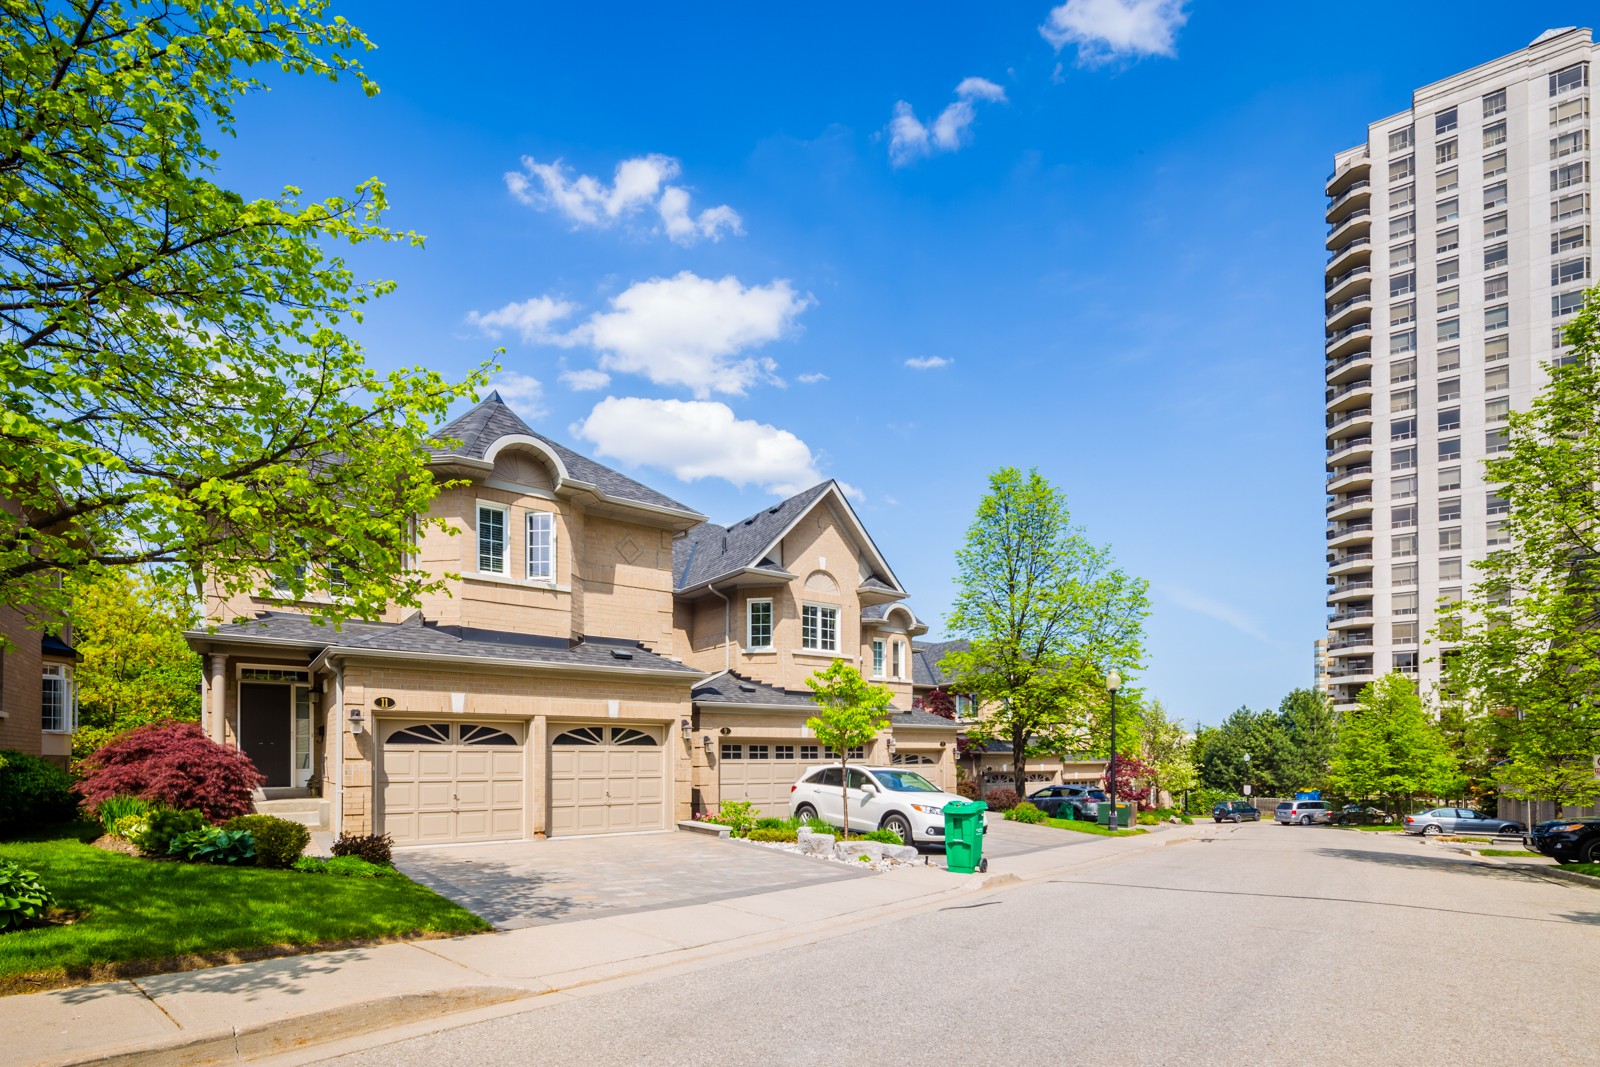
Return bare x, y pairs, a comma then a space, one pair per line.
727, 630
336, 817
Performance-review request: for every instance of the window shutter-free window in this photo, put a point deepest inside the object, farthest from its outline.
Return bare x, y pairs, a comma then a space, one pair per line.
819, 628
56, 711
877, 658
541, 546
758, 632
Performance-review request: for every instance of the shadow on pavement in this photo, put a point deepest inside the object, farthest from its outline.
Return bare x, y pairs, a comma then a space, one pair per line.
1422, 861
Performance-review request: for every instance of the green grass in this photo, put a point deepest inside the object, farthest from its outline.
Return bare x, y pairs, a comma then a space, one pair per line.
1090, 828
137, 916
1374, 829
1506, 852
1592, 869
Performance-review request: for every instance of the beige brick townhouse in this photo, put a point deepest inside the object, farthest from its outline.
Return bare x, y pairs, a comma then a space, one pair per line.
572, 679
38, 709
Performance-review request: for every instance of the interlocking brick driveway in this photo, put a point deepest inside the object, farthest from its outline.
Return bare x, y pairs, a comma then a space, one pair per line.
532, 883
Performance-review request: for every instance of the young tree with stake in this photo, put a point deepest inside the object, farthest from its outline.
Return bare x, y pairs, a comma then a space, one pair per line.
852, 712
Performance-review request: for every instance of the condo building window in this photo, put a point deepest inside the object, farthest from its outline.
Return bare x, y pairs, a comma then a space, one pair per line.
1402, 370
1450, 419
1569, 144
1566, 303
1494, 103
1495, 257
877, 658
1450, 509
1447, 210
1569, 207
1403, 574
1444, 121
491, 539
1495, 441
1403, 459
1570, 111
1449, 596
1449, 269
1400, 140
1450, 569
1402, 313
1495, 504
1403, 429
1403, 255
1496, 348
1496, 318
1494, 533
1569, 174
1497, 287
1494, 135
1402, 545
1403, 487
1449, 358
819, 627
758, 624
1402, 198
541, 546
1494, 226
1494, 165
1449, 329
1404, 603
1402, 284
1449, 299
1450, 540
1446, 181
1448, 240
1497, 379
1404, 341
1403, 633
1449, 388
1450, 448
1496, 410
1569, 270
1401, 169
1569, 79
1402, 226
1402, 400
1449, 478
1494, 195
1403, 516
1568, 238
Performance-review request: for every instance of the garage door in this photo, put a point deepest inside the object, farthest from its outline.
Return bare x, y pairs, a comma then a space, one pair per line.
927, 764
440, 782
761, 773
607, 779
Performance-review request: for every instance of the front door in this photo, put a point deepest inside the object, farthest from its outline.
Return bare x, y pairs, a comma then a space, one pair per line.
264, 729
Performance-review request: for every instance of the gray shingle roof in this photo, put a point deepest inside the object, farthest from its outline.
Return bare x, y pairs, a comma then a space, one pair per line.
730, 687
416, 636
879, 612
480, 428
925, 657
709, 551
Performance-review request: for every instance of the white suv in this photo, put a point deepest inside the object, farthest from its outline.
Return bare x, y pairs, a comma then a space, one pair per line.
881, 798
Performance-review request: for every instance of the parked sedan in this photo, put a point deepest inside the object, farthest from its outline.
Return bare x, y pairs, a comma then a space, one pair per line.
1068, 801
1567, 840
1459, 821
1362, 815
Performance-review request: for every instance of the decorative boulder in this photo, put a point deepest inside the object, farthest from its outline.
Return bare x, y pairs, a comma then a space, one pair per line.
903, 853
815, 844
849, 850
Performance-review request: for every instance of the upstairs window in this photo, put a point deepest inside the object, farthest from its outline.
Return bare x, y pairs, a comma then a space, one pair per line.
758, 624
1496, 287
1564, 177
1565, 240
1449, 269
1569, 111
1494, 136
491, 539
1570, 79
1449, 388
1401, 169
541, 546
1494, 195
1495, 257
899, 659
1446, 181
819, 628
1569, 207
1400, 140
877, 657
1495, 165
1569, 270
1494, 226
1494, 103
1569, 144
1496, 348
1444, 121
1445, 151
57, 708
1449, 478
1497, 380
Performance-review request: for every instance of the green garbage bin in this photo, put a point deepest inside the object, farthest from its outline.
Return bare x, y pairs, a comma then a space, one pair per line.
963, 836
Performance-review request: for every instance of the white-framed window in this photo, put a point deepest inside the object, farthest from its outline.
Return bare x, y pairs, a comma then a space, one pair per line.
1568, 144
1494, 165
877, 657
1494, 135
1570, 111
1494, 103
1573, 77
1497, 287
1569, 206
1568, 238
1449, 358
899, 651
492, 531
1566, 303
819, 627
58, 706
1497, 379
1400, 140
1446, 181
966, 707
1450, 570
542, 546
1444, 121
1496, 348
758, 623
1449, 478
1447, 240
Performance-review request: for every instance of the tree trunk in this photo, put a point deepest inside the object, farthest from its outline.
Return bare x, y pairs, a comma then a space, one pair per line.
1019, 763
844, 791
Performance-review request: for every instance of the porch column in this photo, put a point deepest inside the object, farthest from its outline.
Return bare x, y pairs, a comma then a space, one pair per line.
217, 698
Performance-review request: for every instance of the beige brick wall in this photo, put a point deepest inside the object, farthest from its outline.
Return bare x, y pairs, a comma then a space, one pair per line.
20, 684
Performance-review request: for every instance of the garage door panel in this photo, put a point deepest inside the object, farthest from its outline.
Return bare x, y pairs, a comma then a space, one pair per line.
503, 793
613, 784
506, 763
470, 764
436, 786
435, 764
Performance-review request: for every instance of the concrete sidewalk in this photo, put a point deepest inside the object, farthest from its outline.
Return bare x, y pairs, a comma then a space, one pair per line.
254, 1010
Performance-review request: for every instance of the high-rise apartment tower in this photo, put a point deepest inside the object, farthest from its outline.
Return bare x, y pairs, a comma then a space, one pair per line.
1459, 239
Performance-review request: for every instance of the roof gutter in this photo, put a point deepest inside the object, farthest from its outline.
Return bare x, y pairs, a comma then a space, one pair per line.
354, 651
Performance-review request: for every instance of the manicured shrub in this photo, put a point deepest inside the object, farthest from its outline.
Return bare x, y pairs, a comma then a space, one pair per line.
23, 898
342, 866
175, 764
279, 842
967, 788
883, 837
374, 848
770, 824
129, 826
1148, 818
772, 833
1026, 812
738, 816
33, 792
161, 826
818, 826
114, 810
1001, 799
213, 844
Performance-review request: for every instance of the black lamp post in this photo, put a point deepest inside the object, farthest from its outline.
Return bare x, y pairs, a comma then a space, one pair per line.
1113, 683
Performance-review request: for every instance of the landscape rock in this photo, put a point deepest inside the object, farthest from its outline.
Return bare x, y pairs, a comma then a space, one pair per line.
815, 844
849, 850
903, 853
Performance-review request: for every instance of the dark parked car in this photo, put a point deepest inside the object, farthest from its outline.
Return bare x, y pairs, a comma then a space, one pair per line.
1459, 821
1235, 811
1362, 815
1567, 840
1068, 801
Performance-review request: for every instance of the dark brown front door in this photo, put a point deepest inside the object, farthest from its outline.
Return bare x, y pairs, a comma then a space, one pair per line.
264, 719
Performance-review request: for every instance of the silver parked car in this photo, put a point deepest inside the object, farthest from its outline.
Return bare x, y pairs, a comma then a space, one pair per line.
1304, 812
1459, 821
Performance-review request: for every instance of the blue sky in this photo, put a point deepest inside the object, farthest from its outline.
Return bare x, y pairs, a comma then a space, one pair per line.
901, 246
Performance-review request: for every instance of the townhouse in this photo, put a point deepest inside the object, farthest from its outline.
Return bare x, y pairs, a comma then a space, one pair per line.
38, 703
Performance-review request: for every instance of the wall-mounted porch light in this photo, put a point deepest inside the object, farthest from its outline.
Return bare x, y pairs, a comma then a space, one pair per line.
687, 729
706, 743
355, 719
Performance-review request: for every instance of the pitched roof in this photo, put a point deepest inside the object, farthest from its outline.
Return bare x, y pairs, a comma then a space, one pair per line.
418, 637
492, 420
925, 657
879, 612
730, 687
709, 551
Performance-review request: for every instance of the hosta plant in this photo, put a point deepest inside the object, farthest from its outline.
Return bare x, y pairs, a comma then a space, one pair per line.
23, 899
212, 844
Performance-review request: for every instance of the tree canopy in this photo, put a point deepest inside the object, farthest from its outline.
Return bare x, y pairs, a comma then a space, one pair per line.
1389, 747
1046, 614
852, 711
177, 379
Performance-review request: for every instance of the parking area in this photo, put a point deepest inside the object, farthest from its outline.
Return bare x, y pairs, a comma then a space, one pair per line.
1002, 839
534, 883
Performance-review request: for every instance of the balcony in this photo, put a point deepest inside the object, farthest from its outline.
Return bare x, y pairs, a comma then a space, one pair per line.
1357, 194
1357, 253
1350, 617
1356, 224
1351, 675
1343, 342
1350, 563
1346, 506
1348, 395
1351, 644
1356, 279
1353, 167
1347, 311
1343, 704
1346, 368
1345, 591
1348, 448
1350, 533
1357, 418
1351, 477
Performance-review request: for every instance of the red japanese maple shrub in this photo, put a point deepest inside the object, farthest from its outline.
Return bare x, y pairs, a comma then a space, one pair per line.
1001, 799
1133, 782
176, 764
939, 702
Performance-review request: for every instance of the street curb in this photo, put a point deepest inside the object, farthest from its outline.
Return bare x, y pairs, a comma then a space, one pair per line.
232, 1044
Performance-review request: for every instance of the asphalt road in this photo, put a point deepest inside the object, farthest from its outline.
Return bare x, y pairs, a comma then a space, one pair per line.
1261, 945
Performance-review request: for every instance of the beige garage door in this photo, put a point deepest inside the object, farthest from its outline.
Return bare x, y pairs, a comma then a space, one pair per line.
926, 764
440, 782
761, 772
607, 779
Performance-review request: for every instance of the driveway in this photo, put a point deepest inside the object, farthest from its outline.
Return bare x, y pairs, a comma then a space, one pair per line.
533, 883
1002, 838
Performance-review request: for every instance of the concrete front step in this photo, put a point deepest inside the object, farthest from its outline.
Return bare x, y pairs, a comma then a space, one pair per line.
311, 811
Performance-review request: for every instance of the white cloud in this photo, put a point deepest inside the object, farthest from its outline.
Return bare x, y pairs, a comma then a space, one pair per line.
697, 439
693, 331
811, 377
928, 362
1106, 30
531, 319
910, 139
520, 390
638, 183
587, 380
1213, 609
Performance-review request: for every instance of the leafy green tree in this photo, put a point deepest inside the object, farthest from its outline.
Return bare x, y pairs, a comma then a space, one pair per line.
1389, 747
1528, 647
136, 668
1046, 615
853, 710
177, 383
1166, 749
1222, 751
1305, 719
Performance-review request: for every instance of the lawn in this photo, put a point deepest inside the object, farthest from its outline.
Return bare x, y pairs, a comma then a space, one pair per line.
1506, 852
1584, 868
135, 916
1090, 828
1374, 829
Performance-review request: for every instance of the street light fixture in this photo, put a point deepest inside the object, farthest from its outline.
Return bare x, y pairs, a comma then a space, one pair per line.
1113, 683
